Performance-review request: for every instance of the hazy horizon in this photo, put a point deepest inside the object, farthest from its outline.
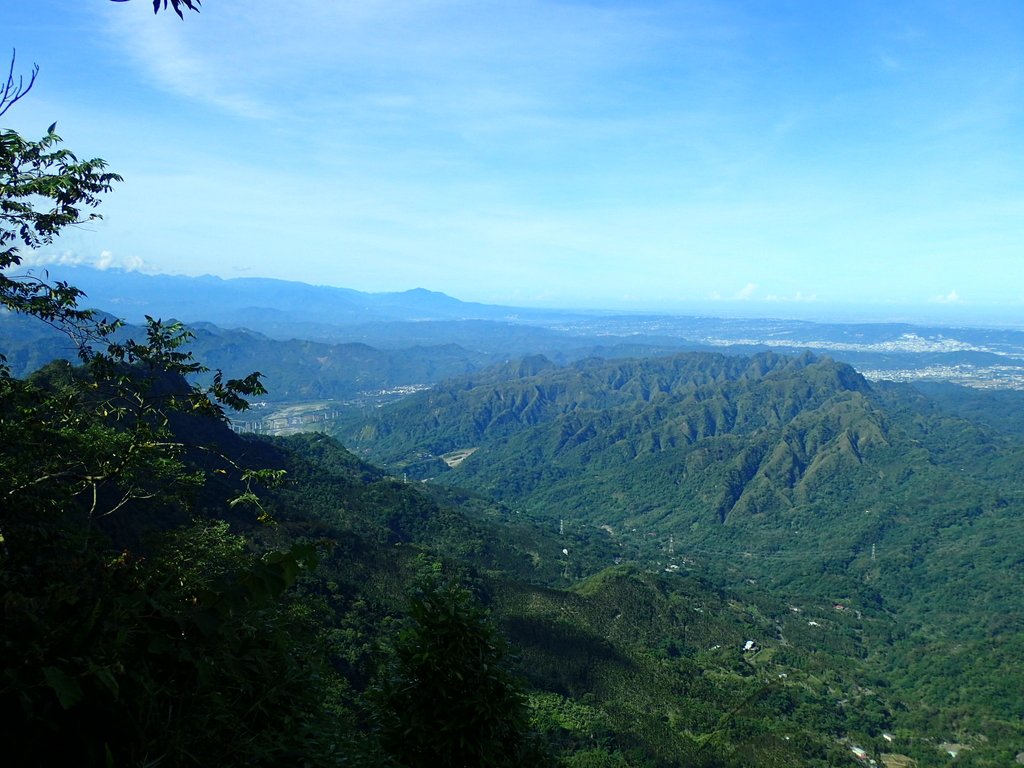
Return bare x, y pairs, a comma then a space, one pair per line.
817, 312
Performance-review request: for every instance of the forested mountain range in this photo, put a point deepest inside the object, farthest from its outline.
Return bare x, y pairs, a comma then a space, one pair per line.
156, 632
699, 559
794, 474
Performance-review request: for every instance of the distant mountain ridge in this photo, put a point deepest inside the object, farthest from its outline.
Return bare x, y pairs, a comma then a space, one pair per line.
285, 310
131, 295
293, 371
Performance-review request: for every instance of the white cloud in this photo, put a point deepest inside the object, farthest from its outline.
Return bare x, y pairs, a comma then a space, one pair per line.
104, 260
798, 297
746, 292
950, 298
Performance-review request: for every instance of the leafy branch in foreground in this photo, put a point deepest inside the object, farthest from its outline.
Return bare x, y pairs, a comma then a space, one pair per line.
45, 189
104, 432
101, 433
177, 5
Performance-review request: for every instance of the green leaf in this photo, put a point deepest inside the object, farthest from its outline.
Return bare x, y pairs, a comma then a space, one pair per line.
68, 691
106, 677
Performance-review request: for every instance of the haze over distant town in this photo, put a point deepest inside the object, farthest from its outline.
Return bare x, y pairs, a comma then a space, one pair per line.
827, 161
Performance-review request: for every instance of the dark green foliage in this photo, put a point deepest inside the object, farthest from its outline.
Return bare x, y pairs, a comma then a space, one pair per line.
597, 758
98, 437
88, 441
448, 698
192, 653
186, 657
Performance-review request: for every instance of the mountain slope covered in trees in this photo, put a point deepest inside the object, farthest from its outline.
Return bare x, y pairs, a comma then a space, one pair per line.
792, 473
143, 636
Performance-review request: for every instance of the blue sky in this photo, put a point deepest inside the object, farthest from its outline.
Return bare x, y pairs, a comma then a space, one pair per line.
778, 158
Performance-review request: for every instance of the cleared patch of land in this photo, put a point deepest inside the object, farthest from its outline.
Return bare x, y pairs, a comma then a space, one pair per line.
454, 458
892, 760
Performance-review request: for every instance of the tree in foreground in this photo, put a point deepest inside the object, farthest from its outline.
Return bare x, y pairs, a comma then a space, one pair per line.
184, 647
448, 699
100, 436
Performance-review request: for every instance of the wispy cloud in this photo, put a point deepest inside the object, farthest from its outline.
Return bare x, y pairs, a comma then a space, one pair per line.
890, 62
949, 298
168, 54
796, 297
746, 292
103, 260
462, 65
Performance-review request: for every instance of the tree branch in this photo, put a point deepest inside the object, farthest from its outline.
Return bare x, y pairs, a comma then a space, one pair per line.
11, 90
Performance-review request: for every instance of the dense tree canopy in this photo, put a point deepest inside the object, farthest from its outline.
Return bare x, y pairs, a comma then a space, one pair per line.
449, 698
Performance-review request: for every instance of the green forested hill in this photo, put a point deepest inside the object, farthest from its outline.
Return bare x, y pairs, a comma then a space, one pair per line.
623, 666
999, 409
626, 667
794, 474
293, 370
